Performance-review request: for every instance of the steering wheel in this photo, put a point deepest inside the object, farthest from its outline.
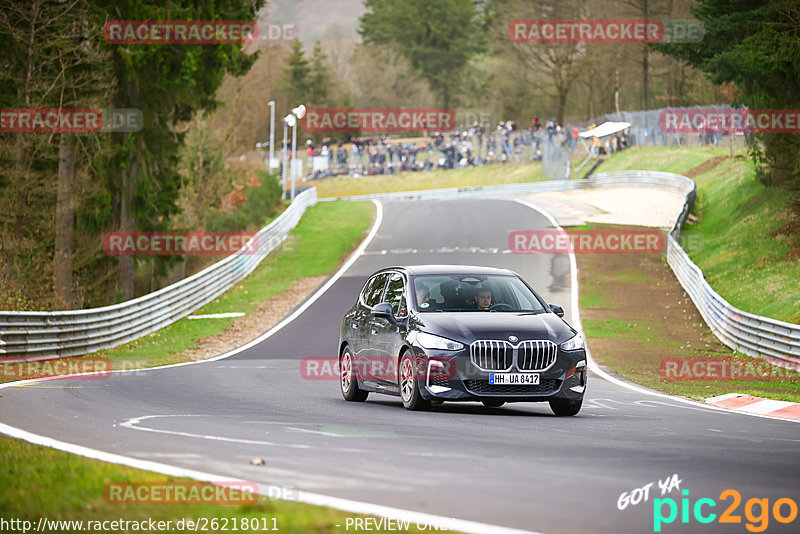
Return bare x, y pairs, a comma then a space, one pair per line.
500, 306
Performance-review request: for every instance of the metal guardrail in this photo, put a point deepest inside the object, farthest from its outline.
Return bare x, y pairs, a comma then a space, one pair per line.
775, 341
47, 335
772, 340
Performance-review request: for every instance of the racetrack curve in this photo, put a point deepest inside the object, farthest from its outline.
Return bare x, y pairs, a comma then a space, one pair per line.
517, 466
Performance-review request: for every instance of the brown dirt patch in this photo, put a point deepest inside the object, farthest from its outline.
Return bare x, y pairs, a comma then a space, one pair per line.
252, 325
706, 165
640, 289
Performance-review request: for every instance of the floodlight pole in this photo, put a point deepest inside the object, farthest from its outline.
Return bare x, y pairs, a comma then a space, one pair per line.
298, 113
283, 174
294, 155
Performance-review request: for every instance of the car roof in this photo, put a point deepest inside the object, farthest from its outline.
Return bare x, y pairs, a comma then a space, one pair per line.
416, 270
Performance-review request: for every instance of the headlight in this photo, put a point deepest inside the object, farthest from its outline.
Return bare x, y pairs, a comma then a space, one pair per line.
573, 344
429, 341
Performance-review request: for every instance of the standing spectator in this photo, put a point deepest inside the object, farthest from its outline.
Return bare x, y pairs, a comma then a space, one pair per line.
517, 148
354, 149
373, 154
491, 145
500, 134
326, 145
574, 138
341, 155
595, 146
551, 129
310, 153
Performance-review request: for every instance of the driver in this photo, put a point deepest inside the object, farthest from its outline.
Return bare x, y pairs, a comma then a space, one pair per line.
483, 298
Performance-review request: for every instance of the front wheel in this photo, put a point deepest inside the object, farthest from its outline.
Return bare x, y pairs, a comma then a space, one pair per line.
349, 382
409, 385
562, 407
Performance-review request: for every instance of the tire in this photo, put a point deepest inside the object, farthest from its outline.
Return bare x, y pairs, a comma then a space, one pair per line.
565, 408
491, 403
348, 381
409, 385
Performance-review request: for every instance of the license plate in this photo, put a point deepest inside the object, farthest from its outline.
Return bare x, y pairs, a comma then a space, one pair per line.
514, 378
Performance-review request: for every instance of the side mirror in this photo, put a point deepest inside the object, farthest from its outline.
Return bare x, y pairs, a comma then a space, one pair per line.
384, 311
558, 310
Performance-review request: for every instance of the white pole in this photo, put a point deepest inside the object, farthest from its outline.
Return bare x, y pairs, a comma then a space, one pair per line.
271, 105
283, 177
294, 154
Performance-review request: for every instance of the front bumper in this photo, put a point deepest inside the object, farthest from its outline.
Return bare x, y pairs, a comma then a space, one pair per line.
451, 376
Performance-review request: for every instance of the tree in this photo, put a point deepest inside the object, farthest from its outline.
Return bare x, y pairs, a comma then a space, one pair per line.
53, 61
319, 78
642, 7
297, 73
307, 81
754, 44
82, 80
438, 38
341, 65
169, 84
398, 85
564, 63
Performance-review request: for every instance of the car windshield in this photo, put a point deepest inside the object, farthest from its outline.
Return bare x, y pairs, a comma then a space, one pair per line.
474, 293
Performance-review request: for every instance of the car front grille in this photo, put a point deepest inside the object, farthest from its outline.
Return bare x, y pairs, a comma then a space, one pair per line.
493, 355
548, 385
536, 355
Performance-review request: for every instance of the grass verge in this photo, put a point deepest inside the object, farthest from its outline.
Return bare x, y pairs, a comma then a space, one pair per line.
510, 173
39, 482
679, 160
747, 250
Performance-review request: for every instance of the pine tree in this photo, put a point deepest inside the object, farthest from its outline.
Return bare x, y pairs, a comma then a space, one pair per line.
319, 78
298, 74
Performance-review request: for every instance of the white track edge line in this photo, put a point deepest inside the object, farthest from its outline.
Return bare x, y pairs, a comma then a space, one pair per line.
576, 320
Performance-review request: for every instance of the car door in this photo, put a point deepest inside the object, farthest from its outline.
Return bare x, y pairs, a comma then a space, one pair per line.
386, 338
362, 324
354, 328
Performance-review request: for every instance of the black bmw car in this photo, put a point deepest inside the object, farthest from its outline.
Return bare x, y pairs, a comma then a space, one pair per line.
436, 333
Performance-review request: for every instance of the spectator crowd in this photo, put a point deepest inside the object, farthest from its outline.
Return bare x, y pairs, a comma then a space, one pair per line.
480, 144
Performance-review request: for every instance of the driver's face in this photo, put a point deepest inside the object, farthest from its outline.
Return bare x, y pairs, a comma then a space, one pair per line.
423, 296
484, 300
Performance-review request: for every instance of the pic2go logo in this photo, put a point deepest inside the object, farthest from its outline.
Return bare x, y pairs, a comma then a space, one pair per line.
756, 511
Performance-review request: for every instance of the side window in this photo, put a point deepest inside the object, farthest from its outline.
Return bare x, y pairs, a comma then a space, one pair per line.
396, 295
366, 290
374, 290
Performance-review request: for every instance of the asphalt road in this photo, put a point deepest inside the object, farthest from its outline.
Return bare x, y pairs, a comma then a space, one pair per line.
516, 466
